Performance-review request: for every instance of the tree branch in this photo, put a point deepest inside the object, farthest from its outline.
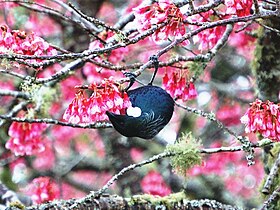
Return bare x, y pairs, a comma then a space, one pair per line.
57, 122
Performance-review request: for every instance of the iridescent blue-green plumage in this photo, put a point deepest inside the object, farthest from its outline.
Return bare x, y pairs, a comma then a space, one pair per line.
156, 106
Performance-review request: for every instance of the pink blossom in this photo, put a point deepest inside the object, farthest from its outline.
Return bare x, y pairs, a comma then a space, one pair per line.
154, 184
105, 97
238, 7
163, 11
43, 189
206, 39
26, 138
177, 86
19, 42
263, 117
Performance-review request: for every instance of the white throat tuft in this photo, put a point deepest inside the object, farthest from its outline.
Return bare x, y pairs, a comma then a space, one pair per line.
133, 111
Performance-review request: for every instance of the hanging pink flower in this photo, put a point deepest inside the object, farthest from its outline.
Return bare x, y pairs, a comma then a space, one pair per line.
176, 84
105, 97
263, 117
43, 189
154, 184
26, 138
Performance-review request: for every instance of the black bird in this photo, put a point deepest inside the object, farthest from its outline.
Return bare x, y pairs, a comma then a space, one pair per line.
152, 108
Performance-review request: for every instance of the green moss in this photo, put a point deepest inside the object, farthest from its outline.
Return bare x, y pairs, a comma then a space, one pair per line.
168, 201
187, 153
17, 205
42, 96
197, 68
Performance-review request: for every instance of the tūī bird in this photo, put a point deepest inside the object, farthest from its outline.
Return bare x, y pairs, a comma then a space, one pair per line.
152, 108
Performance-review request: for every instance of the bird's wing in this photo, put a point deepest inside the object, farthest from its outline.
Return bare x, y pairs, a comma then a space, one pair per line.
152, 123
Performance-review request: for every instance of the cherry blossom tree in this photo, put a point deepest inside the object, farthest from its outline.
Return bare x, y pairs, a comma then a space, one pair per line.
64, 64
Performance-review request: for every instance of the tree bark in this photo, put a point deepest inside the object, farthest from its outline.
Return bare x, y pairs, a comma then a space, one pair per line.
116, 202
266, 65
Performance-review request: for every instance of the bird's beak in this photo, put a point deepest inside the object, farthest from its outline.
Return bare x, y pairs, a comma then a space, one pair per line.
111, 115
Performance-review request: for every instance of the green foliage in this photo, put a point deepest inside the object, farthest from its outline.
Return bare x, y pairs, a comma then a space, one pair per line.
186, 153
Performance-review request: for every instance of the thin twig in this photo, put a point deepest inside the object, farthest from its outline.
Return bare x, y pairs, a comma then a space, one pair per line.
14, 74
272, 198
16, 94
94, 20
17, 108
209, 116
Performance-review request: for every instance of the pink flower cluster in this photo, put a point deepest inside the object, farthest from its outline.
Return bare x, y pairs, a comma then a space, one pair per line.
178, 87
263, 117
19, 42
207, 39
154, 184
238, 7
105, 97
162, 11
43, 189
26, 138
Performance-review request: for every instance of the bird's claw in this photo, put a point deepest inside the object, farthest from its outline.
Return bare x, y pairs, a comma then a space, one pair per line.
154, 59
132, 78
130, 75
